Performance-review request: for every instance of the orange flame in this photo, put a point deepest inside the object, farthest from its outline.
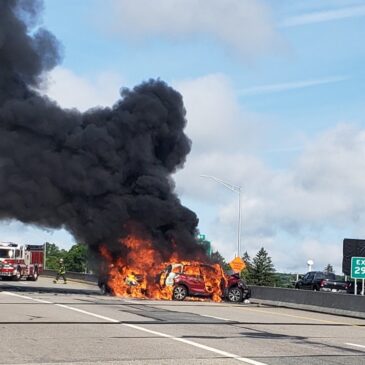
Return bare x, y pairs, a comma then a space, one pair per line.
141, 273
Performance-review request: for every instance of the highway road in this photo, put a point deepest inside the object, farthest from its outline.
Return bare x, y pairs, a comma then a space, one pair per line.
46, 323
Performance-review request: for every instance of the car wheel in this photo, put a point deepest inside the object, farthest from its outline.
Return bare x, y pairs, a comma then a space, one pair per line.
180, 292
235, 295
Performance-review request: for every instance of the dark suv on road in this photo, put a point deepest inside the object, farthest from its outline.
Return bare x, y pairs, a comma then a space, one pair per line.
195, 280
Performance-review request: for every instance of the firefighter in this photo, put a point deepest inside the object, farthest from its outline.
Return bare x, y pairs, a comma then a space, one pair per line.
61, 272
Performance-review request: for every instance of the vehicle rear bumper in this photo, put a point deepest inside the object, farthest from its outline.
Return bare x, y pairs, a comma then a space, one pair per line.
333, 290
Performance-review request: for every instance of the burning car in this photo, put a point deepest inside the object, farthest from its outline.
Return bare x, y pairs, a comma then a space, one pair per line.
202, 280
178, 281
133, 284
142, 273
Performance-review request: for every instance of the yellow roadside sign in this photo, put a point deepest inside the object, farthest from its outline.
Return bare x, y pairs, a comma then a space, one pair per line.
237, 264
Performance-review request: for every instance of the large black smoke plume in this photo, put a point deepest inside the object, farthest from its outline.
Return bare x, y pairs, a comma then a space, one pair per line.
96, 173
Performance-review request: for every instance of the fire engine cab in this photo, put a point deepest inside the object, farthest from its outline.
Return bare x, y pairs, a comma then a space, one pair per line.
18, 261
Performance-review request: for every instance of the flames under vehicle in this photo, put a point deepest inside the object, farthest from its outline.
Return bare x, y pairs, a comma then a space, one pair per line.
178, 281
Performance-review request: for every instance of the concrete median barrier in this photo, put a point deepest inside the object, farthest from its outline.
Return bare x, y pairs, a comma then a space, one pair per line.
333, 303
77, 276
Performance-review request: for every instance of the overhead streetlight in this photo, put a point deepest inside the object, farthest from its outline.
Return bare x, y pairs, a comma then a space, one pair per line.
236, 189
310, 263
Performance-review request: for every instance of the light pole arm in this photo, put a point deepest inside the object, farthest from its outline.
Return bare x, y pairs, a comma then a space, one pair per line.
228, 185
236, 189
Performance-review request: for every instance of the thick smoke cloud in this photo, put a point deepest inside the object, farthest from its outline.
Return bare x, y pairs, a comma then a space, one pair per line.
99, 174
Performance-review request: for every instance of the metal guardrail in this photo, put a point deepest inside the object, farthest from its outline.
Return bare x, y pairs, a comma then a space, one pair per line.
88, 278
335, 303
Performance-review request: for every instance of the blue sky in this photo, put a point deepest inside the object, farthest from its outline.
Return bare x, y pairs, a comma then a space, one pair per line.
274, 93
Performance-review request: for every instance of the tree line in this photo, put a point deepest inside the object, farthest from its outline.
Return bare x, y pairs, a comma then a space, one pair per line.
258, 271
261, 271
75, 259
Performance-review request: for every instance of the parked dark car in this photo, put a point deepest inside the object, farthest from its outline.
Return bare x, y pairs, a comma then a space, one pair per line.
190, 280
321, 281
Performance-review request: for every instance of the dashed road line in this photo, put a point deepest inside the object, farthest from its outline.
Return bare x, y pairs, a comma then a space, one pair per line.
220, 318
355, 345
157, 333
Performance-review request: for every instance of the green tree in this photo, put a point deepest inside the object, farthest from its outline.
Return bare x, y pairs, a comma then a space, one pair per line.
284, 280
217, 258
262, 269
53, 255
246, 273
329, 269
76, 258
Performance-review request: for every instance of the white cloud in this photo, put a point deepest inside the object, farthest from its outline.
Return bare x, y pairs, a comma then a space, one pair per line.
73, 91
215, 116
287, 86
324, 16
14, 231
244, 25
322, 253
318, 199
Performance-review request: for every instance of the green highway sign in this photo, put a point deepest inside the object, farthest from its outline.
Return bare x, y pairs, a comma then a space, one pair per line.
358, 267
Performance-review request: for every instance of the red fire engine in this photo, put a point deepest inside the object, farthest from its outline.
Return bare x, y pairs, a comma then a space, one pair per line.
18, 261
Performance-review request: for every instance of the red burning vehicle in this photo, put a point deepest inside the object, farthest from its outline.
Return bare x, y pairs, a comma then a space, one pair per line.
142, 273
18, 261
178, 281
202, 280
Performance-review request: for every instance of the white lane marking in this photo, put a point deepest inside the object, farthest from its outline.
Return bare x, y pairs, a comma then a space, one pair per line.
88, 313
196, 344
178, 339
355, 344
42, 301
223, 319
25, 297
16, 295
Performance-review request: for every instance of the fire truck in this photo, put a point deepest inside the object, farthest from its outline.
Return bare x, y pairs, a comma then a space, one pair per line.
20, 261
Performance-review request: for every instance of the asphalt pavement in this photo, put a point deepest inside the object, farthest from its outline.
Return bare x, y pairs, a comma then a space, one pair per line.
46, 323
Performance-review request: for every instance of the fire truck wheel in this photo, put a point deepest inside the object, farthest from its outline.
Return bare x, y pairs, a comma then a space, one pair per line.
180, 292
18, 274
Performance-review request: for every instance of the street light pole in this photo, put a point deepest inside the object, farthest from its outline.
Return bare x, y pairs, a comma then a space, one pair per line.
239, 223
236, 189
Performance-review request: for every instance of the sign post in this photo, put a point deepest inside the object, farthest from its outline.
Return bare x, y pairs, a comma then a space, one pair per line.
358, 271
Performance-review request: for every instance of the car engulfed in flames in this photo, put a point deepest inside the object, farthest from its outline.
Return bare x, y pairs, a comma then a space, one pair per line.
143, 274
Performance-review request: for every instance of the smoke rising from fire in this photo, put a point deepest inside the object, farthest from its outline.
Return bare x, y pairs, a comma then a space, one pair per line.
99, 174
